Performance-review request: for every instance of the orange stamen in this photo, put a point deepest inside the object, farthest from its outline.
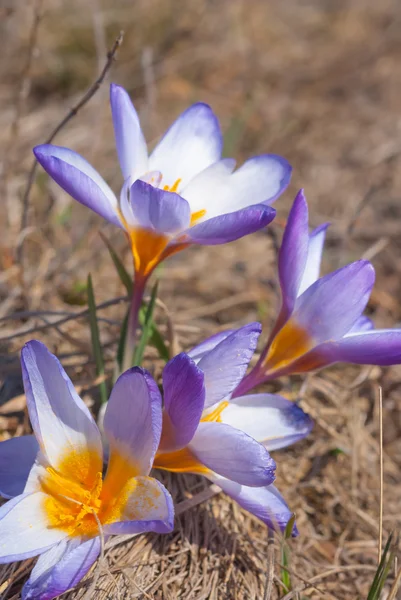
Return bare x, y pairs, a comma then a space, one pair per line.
173, 188
147, 249
196, 216
291, 342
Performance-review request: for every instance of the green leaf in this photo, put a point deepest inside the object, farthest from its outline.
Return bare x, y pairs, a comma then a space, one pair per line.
96, 346
146, 327
382, 571
155, 338
286, 557
126, 280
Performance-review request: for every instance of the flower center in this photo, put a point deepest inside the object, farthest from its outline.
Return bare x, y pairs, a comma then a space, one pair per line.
291, 342
184, 461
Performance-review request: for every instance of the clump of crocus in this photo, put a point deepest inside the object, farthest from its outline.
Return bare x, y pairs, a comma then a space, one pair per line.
183, 193
321, 320
227, 441
61, 504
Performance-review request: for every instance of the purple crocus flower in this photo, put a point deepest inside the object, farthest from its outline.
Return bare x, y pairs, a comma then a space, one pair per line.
226, 440
59, 498
321, 320
183, 193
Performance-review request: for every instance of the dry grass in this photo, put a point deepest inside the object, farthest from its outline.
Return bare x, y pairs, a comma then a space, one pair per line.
316, 81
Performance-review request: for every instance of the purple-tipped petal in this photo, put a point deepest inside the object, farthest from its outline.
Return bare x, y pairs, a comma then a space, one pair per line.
361, 325
209, 344
231, 226
192, 143
131, 145
265, 503
184, 399
149, 508
17, 457
226, 364
233, 454
157, 209
329, 308
133, 420
61, 568
270, 419
293, 256
312, 267
24, 528
60, 419
79, 179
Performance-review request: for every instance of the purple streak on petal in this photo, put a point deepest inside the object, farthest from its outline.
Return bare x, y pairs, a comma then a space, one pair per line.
265, 503
231, 226
293, 257
131, 145
133, 418
157, 209
209, 344
233, 454
156, 516
270, 419
61, 568
184, 400
79, 179
191, 144
226, 364
329, 308
312, 268
362, 324
17, 456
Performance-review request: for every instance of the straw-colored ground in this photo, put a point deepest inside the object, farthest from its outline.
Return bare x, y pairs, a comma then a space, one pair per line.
316, 81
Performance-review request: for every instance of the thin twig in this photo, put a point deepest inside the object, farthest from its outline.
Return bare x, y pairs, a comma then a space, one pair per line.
72, 113
381, 473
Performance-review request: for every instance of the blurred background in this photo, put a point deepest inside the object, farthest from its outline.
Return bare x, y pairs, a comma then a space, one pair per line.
317, 81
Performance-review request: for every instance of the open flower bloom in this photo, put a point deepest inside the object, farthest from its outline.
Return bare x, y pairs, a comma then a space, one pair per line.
227, 440
183, 193
60, 500
321, 320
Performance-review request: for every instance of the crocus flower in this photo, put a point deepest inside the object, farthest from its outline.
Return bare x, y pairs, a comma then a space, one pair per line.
183, 193
60, 501
226, 440
321, 320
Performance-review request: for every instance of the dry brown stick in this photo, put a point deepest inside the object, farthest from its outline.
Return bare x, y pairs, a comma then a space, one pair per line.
379, 556
72, 113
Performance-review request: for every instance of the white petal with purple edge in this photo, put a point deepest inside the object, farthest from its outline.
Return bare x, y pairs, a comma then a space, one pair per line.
209, 187
17, 457
133, 419
192, 144
315, 251
131, 145
233, 454
226, 364
207, 345
265, 503
24, 528
60, 419
270, 419
61, 568
159, 210
149, 508
79, 179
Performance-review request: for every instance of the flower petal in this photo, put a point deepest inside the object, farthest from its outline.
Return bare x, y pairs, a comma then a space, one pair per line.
270, 419
293, 256
233, 454
265, 503
59, 417
131, 145
312, 268
330, 307
211, 183
24, 528
17, 457
133, 419
377, 347
61, 568
79, 179
184, 399
156, 209
225, 365
361, 324
231, 226
149, 508
209, 344
192, 143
